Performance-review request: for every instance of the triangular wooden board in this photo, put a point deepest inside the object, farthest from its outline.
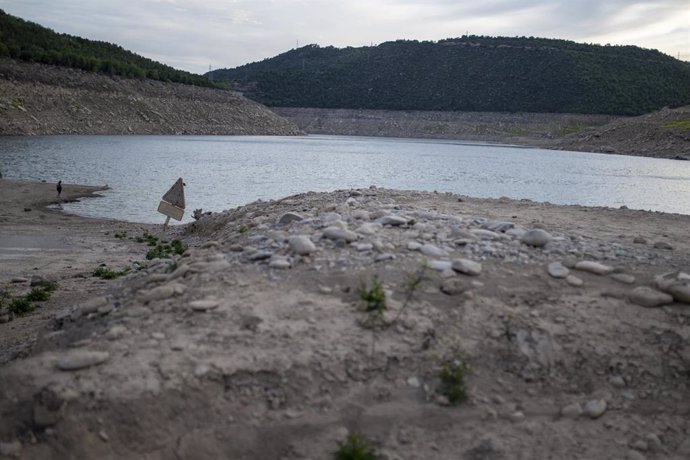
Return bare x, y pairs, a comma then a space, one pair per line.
175, 196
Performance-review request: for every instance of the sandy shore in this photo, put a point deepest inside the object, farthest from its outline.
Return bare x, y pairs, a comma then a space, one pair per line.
255, 343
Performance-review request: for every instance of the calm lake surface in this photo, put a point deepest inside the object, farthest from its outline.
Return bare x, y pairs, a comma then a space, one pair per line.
224, 172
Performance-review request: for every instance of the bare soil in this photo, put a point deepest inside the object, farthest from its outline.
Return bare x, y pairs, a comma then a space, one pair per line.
243, 348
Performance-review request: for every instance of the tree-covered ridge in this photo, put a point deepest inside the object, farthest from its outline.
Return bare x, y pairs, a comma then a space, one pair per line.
27, 41
469, 73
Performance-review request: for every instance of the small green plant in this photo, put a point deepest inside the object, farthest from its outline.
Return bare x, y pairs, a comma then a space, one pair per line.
355, 448
453, 385
572, 129
375, 297
164, 250
121, 236
105, 273
20, 306
149, 239
197, 214
243, 229
171, 267
38, 295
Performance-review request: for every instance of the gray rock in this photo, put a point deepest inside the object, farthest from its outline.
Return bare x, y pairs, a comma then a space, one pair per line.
654, 442
640, 240
369, 228
663, 245
42, 281
260, 255
330, 217
80, 359
19, 279
467, 267
595, 408
593, 267
482, 234
648, 297
454, 286
439, 265
557, 270
572, 411
413, 382
574, 281
413, 245
279, 263
536, 237
337, 233
623, 278
384, 256
360, 214
617, 381
116, 332
301, 244
684, 448
204, 304
430, 250
162, 292
498, 226
361, 247
92, 305
393, 220
289, 217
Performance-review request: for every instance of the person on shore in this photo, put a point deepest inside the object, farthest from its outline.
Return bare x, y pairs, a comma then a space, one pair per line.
59, 188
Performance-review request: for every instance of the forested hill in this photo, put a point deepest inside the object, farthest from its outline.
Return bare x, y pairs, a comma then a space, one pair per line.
470, 73
27, 41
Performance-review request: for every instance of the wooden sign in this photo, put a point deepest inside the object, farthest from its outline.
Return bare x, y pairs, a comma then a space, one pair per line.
173, 202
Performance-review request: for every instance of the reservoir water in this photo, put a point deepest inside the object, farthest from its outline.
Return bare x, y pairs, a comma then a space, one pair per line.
224, 172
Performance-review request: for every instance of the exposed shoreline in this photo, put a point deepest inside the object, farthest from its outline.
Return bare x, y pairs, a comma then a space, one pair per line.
265, 348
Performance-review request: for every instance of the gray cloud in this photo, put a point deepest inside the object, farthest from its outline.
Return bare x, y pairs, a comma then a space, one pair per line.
191, 34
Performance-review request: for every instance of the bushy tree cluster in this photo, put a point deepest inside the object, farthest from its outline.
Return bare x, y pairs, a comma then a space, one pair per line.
24, 40
470, 73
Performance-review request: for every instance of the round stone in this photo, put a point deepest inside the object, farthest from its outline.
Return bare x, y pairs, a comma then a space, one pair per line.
467, 267
648, 297
301, 244
557, 270
536, 237
81, 359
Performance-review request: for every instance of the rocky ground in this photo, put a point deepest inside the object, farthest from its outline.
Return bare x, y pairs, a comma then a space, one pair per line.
662, 134
41, 99
257, 342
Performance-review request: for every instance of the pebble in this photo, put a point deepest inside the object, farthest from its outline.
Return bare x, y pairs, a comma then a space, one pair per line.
430, 250
517, 417
384, 256
260, 255
162, 292
280, 263
301, 244
663, 245
361, 247
498, 226
557, 270
439, 265
572, 411
654, 442
92, 305
574, 281
648, 297
337, 233
453, 286
19, 279
617, 381
289, 217
467, 267
536, 237
593, 267
393, 220
623, 278
204, 305
413, 245
116, 332
360, 214
484, 234
413, 382
158, 335
80, 359
595, 408
369, 228
640, 240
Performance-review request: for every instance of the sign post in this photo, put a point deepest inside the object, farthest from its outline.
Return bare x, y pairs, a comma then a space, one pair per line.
172, 204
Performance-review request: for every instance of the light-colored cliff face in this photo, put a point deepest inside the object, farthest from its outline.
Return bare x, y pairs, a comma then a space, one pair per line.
40, 99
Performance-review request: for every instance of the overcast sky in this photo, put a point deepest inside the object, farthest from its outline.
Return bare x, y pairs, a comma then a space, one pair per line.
193, 34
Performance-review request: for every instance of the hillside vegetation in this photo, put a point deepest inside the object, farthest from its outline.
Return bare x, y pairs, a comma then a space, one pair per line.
27, 41
470, 73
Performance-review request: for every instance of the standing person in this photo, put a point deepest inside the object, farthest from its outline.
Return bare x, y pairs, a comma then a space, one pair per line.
59, 188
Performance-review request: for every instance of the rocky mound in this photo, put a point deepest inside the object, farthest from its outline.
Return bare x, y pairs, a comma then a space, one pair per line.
429, 325
41, 99
662, 134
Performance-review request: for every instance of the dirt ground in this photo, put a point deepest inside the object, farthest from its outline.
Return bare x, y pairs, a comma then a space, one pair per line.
256, 343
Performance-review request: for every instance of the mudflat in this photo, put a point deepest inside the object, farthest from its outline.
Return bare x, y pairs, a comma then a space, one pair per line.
430, 325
